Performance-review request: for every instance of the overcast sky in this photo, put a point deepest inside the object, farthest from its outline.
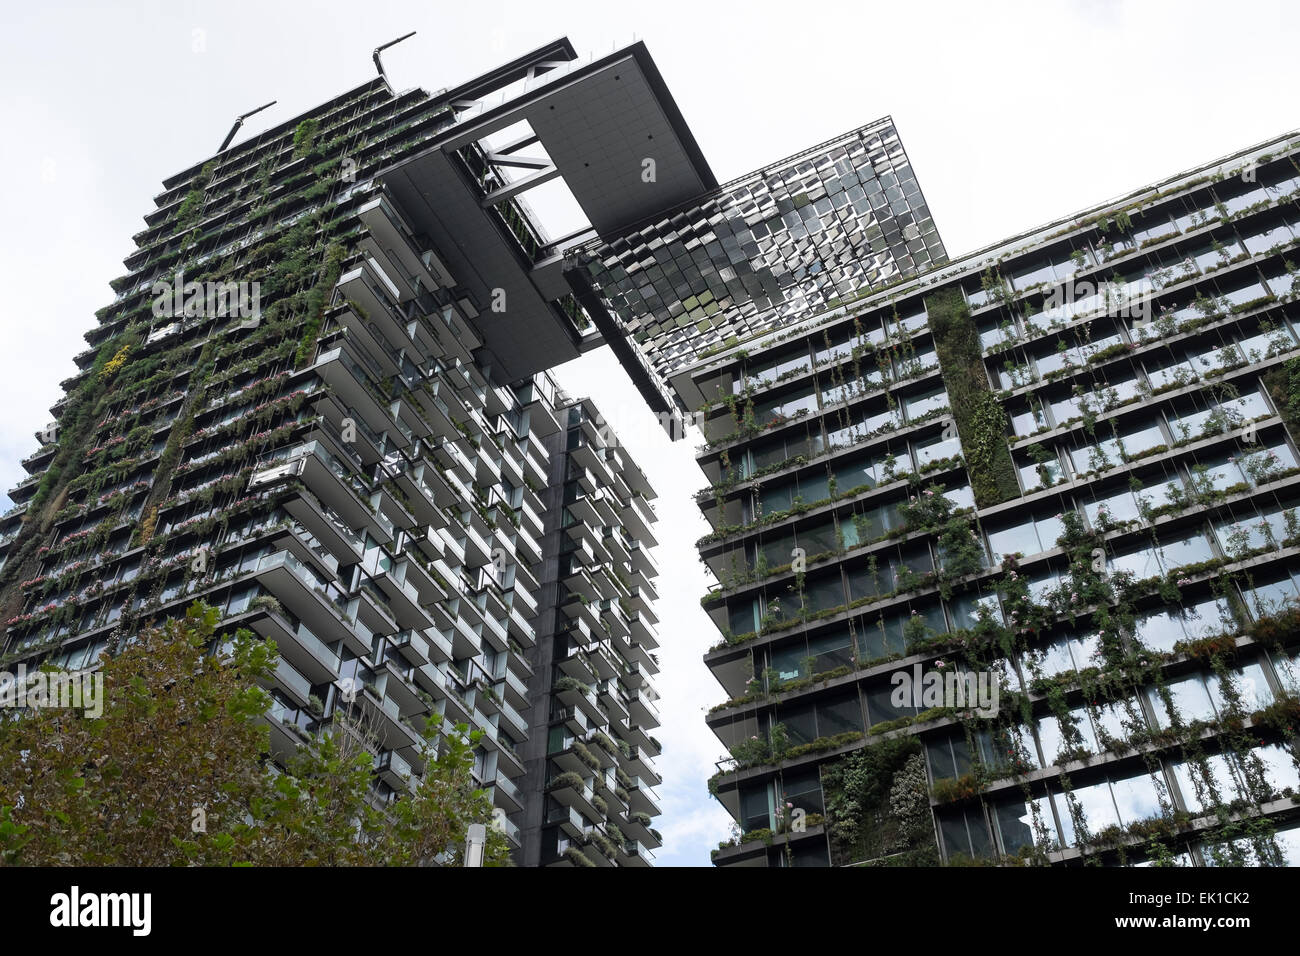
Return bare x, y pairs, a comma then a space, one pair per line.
1012, 114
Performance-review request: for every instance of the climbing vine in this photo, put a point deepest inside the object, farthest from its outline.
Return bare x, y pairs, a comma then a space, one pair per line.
981, 421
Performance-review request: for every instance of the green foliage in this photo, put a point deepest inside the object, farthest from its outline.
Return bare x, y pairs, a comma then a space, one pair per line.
304, 137
317, 299
1283, 384
877, 804
172, 771
981, 421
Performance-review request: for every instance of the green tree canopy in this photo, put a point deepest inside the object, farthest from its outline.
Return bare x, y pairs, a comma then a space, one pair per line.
175, 770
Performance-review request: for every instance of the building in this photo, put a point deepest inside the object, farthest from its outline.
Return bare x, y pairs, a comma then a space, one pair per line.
320, 401
595, 761
1066, 463
795, 237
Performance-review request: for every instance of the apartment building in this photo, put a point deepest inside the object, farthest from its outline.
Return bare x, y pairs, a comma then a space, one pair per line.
321, 402
1065, 464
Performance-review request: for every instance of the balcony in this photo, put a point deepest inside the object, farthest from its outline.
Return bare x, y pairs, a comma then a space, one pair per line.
326, 526
589, 458
370, 287
638, 764
338, 487
643, 560
390, 233
642, 710
574, 720
403, 599
634, 854
570, 821
538, 466
394, 770
541, 416
412, 645
510, 829
571, 790
514, 688
639, 518
356, 388
579, 581
578, 666
506, 795
298, 646
606, 666
521, 628
611, 700
364, 335
382, 715
512, 721
643, 798
314, 601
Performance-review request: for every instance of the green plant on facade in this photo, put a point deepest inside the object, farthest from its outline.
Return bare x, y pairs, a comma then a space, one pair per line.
981, 421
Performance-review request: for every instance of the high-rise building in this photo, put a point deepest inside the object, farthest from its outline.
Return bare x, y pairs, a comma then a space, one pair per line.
1008, 551
596, 758
321, 403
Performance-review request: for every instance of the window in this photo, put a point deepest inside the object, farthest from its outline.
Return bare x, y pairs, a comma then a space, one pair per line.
1162, 630
804, 790
1136, 798
1191, 548
935, 448
756, 807
1018, 820
1058, 740
915, 406
1026, 537
965, 832
966, 609
1271, 593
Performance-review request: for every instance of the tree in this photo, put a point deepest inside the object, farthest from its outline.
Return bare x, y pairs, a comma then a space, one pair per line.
176, 771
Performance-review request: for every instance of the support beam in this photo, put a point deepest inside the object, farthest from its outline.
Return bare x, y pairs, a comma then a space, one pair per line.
512, 190
522, 162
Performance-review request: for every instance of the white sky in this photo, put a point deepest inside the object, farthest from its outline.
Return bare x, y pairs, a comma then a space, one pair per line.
1012, 114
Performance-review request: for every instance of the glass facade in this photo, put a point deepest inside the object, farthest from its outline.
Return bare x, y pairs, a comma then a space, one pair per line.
1130, 577
793, 238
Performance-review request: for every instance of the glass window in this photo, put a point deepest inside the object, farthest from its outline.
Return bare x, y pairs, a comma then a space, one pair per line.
804, 790
1136, 797
756, 807
1190, 700
831, 650
1199, 784
915, 406
1016, 820
839, 715
881, 707
1159, 631
1248, 681
935, 448
1097, 804
1056, 740
1191, 548
965, 610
